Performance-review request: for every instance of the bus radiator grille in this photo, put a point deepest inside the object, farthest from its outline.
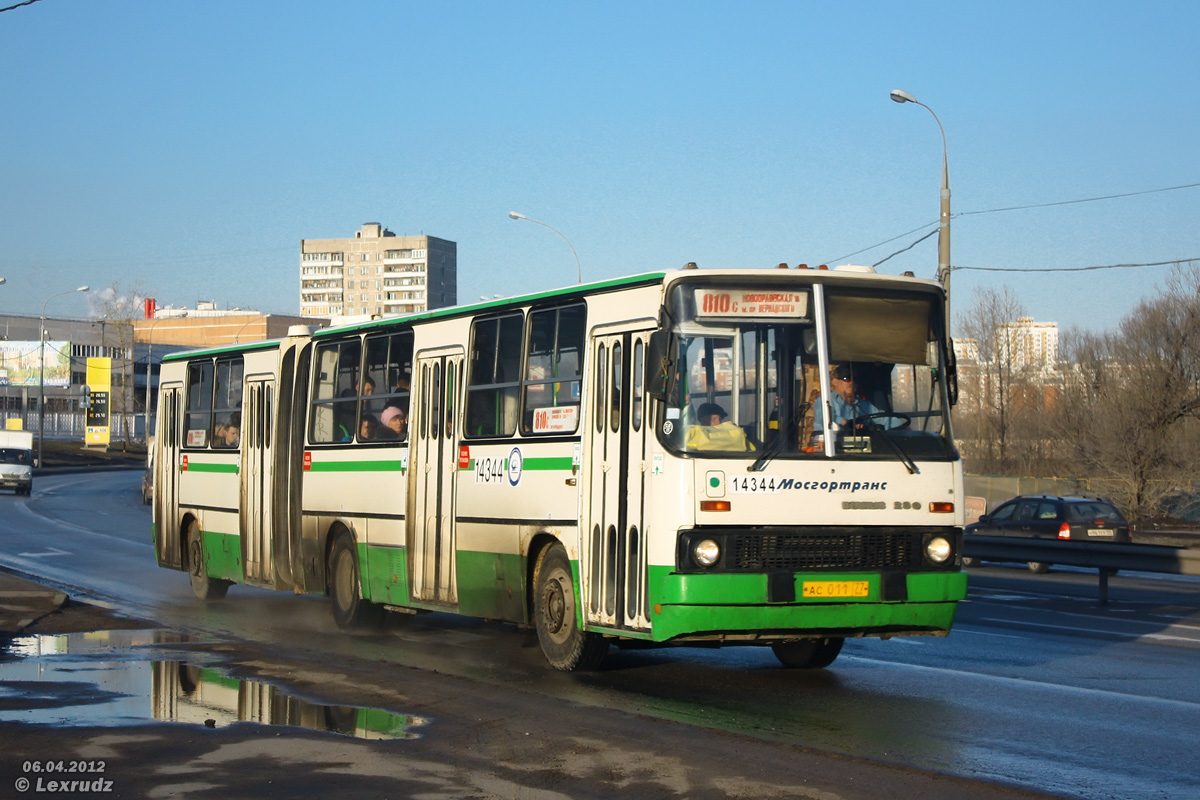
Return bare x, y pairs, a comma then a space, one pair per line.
798, 552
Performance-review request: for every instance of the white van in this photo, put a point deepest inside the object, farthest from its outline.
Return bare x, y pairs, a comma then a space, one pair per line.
16, 461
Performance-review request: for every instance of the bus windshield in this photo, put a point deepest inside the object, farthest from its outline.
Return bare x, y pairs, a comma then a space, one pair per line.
758, 369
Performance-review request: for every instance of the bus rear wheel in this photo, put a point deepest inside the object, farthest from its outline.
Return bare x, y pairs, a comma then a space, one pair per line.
204, 587
808, 653
555, 608
350, 610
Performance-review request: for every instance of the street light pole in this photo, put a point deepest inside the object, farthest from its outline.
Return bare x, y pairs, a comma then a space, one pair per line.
944, 222
578, 266
42, 373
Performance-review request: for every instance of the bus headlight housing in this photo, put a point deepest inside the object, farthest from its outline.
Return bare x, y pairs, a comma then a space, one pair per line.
938, 550
706, 552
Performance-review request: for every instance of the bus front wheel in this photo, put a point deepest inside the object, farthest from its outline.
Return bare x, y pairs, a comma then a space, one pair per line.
350, 610
204, 587
808, 653
555, 607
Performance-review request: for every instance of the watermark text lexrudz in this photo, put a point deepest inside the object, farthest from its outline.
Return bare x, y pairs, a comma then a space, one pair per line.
43, 785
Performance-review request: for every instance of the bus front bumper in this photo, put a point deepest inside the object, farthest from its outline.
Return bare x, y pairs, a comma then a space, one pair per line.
736, 607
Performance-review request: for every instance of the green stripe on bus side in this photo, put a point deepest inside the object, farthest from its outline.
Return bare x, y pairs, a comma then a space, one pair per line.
580, 290
194, 466
357, 466
272, 344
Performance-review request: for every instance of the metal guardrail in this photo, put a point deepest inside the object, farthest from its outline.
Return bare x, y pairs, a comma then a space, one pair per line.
1106, 557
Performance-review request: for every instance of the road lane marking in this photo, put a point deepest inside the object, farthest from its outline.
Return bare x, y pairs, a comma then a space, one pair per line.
1043, 685
1133, 637
53, 551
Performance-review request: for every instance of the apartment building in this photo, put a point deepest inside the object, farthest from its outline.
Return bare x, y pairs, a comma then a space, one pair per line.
376, 273
1032, 344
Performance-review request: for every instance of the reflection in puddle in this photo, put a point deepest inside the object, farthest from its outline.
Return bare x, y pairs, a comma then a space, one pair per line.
101, 679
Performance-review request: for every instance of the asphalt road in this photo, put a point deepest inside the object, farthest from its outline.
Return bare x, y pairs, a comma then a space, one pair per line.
1038, 686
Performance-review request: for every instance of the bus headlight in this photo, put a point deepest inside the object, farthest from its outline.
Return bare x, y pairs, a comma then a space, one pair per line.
937, 550
706, 552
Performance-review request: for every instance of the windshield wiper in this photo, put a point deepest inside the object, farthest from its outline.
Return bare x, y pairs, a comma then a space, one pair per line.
904, 457
767, 454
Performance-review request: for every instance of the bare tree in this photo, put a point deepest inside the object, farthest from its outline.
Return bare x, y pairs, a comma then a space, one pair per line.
1131, 404
986, 407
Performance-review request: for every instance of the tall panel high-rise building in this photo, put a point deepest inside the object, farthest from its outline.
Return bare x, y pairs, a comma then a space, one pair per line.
376, 273
1032, 344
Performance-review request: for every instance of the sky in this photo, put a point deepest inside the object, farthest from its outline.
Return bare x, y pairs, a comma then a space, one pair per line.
182, 150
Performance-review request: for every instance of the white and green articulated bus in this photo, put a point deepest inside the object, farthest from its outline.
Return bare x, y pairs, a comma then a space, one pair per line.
690, 457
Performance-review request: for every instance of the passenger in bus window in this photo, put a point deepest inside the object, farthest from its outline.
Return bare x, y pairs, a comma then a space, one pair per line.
232, 434
368, 428
714, 432
368, 387
395, 423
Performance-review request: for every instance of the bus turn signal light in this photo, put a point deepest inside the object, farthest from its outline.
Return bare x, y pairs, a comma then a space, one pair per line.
941, 508
715, 505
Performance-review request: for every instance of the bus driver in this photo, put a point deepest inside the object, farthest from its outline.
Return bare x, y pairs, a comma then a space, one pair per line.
847, 403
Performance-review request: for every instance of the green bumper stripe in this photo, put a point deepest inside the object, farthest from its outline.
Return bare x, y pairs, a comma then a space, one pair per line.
690, 604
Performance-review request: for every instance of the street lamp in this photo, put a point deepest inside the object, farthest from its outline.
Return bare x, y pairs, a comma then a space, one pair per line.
150, 366
944, 224
578, 266
42, 373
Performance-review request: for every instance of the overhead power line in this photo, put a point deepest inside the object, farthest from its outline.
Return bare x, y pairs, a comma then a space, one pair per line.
1010, 208
1073, 202
1080, 269
18, 5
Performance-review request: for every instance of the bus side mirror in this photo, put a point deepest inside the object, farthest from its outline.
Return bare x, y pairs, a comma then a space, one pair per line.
660, 365
951, 372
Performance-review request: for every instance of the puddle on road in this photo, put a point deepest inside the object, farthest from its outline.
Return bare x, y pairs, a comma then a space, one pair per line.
101, 679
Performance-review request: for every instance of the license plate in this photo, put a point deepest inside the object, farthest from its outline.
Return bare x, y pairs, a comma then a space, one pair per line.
835, 588
1101, 532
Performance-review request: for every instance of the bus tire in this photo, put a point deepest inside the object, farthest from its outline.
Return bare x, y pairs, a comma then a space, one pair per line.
555, 607
808, 653
204, 587
1039, 567
351, 611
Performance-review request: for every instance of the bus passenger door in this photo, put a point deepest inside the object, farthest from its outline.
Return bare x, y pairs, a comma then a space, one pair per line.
614, 560
166, 477
433, 461
257, 478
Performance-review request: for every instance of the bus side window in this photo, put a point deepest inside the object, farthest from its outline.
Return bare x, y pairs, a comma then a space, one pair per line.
198, 408
386, 386
227, 408
494, 382
335, 395
552, 370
